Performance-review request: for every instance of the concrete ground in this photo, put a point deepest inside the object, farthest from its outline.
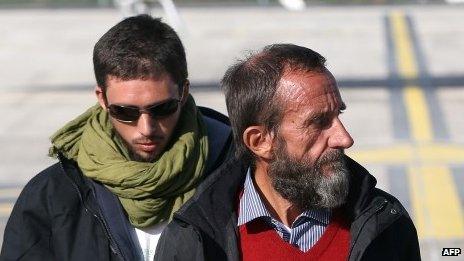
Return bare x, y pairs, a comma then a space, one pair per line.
408, 128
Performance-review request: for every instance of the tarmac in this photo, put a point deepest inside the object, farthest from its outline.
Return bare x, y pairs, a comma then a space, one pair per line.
399, 70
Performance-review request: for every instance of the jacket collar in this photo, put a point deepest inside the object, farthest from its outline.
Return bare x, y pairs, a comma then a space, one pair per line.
218, 192
360, 195
74, 174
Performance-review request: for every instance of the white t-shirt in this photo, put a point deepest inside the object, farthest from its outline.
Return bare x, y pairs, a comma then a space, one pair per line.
148, 239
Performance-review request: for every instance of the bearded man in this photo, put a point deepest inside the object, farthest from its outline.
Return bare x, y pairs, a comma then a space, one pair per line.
128, 162
291, 193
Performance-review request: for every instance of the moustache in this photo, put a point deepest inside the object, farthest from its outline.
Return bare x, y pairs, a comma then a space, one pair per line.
331, 157
151, 139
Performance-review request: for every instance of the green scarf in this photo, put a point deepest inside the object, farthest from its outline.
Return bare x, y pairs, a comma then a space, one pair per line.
149, 192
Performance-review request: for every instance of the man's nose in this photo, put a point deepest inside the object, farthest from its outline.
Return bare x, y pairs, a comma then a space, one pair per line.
339, 138
146, 125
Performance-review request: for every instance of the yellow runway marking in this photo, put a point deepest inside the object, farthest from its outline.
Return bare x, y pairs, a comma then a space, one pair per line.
448, 154
405, 57
397, 154
410, 154
435, 203
416, 105
437, 211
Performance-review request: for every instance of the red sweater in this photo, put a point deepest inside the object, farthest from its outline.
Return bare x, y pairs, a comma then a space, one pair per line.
259, 241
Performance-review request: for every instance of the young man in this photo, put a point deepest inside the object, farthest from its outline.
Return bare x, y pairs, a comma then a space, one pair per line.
292, 193
126, 164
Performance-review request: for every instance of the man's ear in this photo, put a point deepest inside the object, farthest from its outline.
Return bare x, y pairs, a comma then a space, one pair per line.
259, 141
185, 92
100, 96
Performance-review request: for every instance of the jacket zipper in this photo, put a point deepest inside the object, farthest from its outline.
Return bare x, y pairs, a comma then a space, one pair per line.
113, 245
376, 210
114, 248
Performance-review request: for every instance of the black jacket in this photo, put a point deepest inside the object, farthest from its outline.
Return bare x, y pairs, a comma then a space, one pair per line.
205, 228
63, 215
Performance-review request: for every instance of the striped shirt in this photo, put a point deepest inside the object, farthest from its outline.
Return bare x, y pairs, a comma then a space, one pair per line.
305, 230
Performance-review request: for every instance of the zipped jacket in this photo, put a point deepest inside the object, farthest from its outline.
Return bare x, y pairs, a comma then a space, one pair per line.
205, 228
63, 215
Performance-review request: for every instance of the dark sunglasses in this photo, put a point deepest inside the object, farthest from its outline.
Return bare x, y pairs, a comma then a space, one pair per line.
132, 113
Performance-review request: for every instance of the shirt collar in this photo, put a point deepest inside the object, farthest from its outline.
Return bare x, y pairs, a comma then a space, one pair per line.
252, 207
320, 215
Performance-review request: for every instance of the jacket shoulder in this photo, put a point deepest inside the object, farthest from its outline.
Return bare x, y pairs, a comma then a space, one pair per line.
51, 190
220, 142
53, 173
210, 113
53, 181
29, 228
397, 236
395, 202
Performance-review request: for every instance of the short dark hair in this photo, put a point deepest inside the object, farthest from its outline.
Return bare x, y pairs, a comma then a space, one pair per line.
139, 47
250, 86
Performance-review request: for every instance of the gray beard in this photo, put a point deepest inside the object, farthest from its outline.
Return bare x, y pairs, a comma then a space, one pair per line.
323, 185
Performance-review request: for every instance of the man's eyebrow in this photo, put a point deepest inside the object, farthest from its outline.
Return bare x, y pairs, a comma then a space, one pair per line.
147, 106
321, 114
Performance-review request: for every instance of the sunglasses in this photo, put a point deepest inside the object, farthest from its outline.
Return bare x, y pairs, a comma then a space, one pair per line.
132, 113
